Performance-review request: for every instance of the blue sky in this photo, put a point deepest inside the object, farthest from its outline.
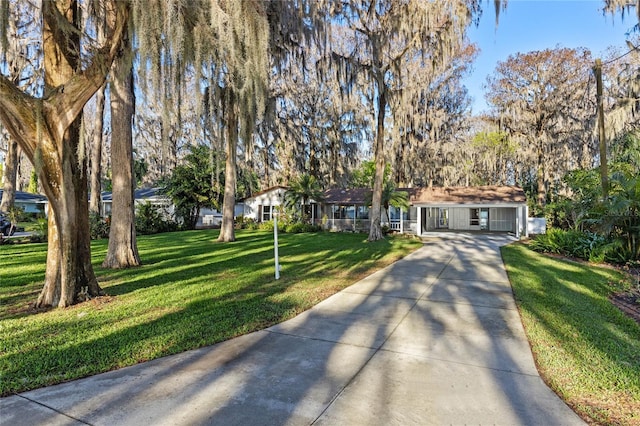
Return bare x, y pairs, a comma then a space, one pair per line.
528, 25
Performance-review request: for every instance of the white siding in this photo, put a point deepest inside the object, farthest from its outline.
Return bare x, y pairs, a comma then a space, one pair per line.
459, 219
270, 198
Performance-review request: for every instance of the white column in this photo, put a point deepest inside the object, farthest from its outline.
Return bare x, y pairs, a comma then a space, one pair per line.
518, 217
418, 220
354, 217
401, 221
275, 245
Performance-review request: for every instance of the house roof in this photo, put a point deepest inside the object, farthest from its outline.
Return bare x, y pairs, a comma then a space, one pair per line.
139, 194
450, 195
346, 196
264, 191
27, 197
488, 194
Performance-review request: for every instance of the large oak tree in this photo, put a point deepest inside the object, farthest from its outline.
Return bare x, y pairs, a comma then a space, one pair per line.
47, 128
542, 99
383, 37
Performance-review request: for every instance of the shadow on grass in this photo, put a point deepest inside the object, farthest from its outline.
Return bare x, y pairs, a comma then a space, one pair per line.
570, 302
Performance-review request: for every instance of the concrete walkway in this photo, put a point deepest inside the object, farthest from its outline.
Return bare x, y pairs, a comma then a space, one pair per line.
433, 339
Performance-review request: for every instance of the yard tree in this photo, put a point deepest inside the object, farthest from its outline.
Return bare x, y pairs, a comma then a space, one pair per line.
542, 101
123, 250
494, 157
391, 197
192, 185
426, 139
318, 131
47, 128
96, 137
230, 37
301, 190
95, 164
382, 37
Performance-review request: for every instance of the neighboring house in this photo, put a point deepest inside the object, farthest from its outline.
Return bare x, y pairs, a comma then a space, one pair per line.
209, 218
30, 203
154, 196
260, 206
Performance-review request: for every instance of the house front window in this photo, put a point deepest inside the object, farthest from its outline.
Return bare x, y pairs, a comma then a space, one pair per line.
474, 215
266, 213
479, 217
363, 212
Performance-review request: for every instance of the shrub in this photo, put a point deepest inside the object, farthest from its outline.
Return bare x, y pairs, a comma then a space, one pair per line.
266, 226
294, 228
149, 220
98, 226
243, 222
41, 231
584, 245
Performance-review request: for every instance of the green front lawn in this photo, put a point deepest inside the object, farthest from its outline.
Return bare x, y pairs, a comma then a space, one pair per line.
190, 292
586, 349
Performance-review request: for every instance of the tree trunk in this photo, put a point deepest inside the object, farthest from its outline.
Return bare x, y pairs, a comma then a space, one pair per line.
375, 231
227, 231
96, 155
123, 249
10, 174
69, 276
542, 190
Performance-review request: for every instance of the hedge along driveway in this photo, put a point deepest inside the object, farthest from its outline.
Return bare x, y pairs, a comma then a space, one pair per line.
190, 292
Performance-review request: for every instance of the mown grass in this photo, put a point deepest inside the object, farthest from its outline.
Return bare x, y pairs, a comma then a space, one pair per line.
190, 292
585, 348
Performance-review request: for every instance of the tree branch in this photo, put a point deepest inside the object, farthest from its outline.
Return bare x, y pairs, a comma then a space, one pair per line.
67, 101
18, 115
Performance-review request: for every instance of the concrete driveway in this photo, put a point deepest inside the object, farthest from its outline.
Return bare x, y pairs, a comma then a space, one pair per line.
433, 339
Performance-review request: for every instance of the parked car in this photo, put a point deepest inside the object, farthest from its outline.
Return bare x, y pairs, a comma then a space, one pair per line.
5, 226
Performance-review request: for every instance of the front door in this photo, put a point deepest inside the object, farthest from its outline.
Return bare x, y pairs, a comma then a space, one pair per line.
484, 219
443, 218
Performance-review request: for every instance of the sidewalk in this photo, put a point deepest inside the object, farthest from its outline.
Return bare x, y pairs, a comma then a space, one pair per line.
433, 339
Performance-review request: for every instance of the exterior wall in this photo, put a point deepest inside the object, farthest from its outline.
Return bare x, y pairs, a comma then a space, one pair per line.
39, 208
164, 205
253, 205
459, 219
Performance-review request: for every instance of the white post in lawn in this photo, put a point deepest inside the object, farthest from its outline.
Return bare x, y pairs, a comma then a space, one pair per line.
275, 244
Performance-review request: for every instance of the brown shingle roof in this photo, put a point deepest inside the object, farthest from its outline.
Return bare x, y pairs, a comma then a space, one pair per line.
468, 195
346, 196
452, 195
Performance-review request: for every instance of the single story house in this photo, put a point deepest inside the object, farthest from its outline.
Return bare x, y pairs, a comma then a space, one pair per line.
482, 208
30, 203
